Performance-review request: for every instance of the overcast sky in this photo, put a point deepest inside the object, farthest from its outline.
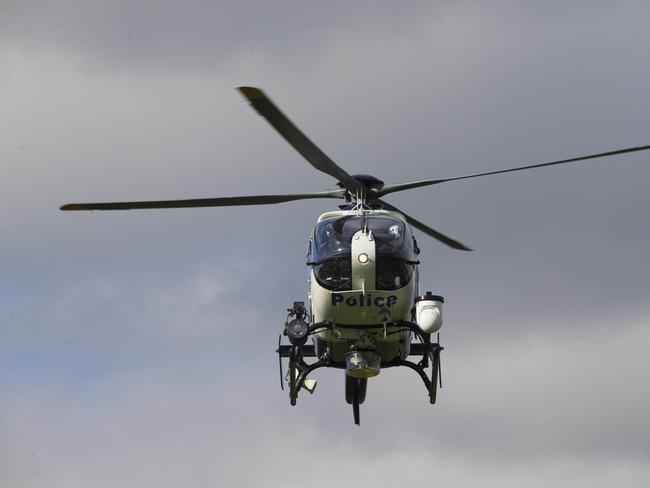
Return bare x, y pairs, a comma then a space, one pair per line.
137, 348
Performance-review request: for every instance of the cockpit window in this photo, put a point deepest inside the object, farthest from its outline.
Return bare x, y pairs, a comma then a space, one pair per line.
333, 237
332, 245
334, 274
392, 274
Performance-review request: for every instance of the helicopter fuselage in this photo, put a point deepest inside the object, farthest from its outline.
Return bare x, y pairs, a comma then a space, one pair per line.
363, 279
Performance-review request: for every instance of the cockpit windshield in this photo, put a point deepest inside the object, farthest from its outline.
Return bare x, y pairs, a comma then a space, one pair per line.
333, 237
331, 249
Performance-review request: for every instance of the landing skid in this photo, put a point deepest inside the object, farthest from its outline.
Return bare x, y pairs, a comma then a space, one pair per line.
355, 391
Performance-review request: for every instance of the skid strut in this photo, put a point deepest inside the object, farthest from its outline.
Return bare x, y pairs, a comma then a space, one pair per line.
299, 369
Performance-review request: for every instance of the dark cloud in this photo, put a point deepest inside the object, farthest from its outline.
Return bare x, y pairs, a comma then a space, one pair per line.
196, 35
140, 344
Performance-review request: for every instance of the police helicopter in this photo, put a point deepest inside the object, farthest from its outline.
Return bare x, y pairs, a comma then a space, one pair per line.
365, 311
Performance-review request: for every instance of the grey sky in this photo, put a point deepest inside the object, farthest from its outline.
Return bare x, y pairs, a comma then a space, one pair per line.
136, 348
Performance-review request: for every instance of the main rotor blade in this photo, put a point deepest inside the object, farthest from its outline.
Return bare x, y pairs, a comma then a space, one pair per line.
428, 230
300, 142
205, 202
416, 184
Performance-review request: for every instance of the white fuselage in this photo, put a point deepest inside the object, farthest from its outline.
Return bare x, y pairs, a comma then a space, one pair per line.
362, 309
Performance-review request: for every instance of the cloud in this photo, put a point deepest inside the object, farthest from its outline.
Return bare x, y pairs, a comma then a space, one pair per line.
541, 410
133, 380
137, 347
196, 36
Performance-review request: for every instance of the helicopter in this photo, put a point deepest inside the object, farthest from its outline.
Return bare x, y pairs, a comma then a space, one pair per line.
365, 311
